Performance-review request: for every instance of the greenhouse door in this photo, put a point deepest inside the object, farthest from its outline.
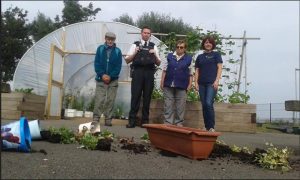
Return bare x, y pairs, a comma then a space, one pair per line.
55, 83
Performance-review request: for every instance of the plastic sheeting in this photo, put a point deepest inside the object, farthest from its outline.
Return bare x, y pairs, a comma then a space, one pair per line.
33, 68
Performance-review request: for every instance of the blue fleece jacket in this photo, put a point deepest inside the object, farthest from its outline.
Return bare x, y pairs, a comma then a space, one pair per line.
110, 66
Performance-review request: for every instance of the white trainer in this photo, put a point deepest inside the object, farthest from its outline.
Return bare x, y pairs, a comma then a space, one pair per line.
212, 130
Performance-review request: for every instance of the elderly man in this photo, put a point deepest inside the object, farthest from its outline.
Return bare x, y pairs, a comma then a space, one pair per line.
108, 62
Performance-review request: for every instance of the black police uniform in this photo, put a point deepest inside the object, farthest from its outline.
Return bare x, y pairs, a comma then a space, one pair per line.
143, 69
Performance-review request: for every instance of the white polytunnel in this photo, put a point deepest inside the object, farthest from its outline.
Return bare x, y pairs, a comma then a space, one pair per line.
71, 63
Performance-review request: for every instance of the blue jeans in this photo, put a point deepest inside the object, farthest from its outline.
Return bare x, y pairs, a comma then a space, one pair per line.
207, 96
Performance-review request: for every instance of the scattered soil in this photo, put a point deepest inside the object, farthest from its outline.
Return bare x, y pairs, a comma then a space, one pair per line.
221, 151
137, 148
54, 138
104, 144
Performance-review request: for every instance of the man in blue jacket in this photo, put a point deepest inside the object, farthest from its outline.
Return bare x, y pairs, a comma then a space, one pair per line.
108, 62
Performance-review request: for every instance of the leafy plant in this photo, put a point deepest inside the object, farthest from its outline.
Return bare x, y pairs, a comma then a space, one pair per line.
26, 90
274, 158
219, 97
238, 98
67, 136
145, 136
157, 94
192, 95
106, 134
118, 112
235, 148
89, 141
91, 105
78, 103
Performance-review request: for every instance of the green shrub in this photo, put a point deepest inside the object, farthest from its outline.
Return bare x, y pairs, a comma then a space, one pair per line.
89, 141
192, 95
157, 94
274, 158
67, 136
26, 90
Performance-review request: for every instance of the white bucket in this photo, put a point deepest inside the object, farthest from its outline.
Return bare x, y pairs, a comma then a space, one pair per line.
88, 114
70, 112
35, 130
85, 126
79, 113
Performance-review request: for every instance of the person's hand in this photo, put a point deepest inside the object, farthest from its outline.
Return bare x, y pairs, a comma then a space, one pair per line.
106, 78
216, 84
137, 49
162, 86
157, 62
189, 87
151, 51
197, 86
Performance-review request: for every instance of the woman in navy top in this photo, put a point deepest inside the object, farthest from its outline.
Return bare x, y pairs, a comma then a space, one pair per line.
208, 73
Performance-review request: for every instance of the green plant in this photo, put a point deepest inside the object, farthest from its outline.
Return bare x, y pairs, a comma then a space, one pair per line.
67, 136
26, 90
192, 95
118, 112
219, 97
77, 103
91, 105
145, 136
235, 148
274, 158
89, 141
157, 94
238, 98
106, 134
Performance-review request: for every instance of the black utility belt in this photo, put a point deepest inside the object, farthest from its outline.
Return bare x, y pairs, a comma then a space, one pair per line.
144, 67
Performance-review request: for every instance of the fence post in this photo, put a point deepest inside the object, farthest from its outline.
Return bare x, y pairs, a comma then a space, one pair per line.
270, 112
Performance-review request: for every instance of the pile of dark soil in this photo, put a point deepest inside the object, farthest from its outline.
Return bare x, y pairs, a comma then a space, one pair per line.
54, 138
137, 148
104, 144
224, 151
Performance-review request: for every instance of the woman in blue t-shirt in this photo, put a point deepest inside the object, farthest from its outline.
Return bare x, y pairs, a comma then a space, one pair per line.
208, 73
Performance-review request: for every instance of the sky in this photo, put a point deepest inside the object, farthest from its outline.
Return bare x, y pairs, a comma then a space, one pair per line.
271, 61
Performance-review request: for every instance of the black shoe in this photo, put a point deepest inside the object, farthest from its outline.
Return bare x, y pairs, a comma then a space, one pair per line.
130, 126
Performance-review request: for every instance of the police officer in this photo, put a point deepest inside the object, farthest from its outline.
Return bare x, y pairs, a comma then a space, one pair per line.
144, 56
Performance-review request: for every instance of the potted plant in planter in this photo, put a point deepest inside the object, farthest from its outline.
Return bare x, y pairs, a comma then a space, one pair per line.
68, 104
79, 106
90, 108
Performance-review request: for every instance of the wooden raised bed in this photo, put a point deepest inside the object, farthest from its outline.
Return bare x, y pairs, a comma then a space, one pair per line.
14, 105
228, 117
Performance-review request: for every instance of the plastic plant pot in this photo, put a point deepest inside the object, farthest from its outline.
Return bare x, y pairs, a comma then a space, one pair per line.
190, 142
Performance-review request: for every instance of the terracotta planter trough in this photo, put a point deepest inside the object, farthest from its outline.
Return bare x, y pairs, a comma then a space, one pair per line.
190, 142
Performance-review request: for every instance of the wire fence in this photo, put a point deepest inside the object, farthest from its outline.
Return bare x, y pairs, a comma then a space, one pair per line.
275, 112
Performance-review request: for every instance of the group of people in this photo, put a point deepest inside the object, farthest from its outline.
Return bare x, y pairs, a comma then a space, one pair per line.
176, 79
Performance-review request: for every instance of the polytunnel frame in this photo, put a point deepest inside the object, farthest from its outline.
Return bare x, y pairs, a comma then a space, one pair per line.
59, 48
